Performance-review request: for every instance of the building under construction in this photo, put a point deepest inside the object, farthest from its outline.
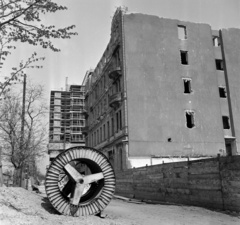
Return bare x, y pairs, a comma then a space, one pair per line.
66, 120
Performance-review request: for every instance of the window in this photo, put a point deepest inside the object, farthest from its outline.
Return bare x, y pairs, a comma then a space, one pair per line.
112, 121
92, 141
108, 129
117, 121
97, 137
121, 158
184, 57
120, 119
105, 104
182, 32
117, 85
187, 85
190, 119
216, 41
222, 92
219, 64
104, 132
226, 124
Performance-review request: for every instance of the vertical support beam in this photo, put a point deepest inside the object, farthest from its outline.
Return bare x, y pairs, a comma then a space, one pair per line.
232, 127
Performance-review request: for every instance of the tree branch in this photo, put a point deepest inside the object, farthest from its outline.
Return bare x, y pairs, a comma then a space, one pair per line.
20, 14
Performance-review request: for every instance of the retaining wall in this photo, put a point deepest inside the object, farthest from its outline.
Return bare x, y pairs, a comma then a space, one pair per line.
212, 183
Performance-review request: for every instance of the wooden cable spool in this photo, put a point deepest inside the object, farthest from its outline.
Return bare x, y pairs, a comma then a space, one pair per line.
80, 181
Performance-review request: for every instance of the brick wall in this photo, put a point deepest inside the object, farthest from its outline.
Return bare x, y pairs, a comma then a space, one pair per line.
212, 183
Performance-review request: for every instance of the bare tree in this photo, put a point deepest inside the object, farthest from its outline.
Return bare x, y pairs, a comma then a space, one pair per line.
17, 149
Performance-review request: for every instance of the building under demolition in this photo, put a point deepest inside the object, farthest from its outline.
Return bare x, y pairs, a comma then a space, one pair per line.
164, 90
66, 120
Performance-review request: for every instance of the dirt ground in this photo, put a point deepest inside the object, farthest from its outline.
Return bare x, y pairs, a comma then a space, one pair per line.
21, 207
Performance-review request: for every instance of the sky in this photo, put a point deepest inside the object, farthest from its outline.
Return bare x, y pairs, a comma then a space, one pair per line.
93, 23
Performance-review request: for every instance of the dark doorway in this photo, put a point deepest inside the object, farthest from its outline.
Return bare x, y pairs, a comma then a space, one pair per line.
228, 149
230, 145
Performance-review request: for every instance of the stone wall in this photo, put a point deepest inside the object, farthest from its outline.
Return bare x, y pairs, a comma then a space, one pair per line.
212, 183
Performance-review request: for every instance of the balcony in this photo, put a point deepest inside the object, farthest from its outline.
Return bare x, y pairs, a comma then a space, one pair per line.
115, 100
77, 140
115, 73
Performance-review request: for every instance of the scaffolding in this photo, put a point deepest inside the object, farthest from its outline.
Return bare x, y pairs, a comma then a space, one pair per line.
66, 118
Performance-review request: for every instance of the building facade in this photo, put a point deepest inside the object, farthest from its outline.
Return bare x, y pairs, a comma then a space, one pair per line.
66, 119
164, 90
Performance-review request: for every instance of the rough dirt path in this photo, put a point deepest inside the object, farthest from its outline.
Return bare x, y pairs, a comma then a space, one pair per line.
21, 207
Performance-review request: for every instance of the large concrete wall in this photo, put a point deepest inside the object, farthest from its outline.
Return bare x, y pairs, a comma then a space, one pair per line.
212, 183
231, 51
155, 99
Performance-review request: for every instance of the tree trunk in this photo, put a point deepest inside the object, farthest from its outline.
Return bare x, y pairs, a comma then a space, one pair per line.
1, 174
17, 177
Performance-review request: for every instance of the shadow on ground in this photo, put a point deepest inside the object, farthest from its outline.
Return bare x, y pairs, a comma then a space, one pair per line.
48, 206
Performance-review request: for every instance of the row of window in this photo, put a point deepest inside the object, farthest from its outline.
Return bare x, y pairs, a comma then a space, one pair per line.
107, 130
187, 83
103, 104
103, 84
67, 129
184, 60
72, 138
182, 35
190, 120
68, 116
67, 123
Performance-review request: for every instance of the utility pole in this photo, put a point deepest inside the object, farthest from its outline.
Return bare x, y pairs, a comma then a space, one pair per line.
22, 125
1, 174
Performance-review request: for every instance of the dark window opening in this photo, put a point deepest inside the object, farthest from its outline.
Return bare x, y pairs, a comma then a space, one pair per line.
190, 119
112, 121
108, 129
104, 132
216, 41
187, 86
97, 137
117, 121
219, 64
184, 57
226, 124
222, 92
182, 32
120, 119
